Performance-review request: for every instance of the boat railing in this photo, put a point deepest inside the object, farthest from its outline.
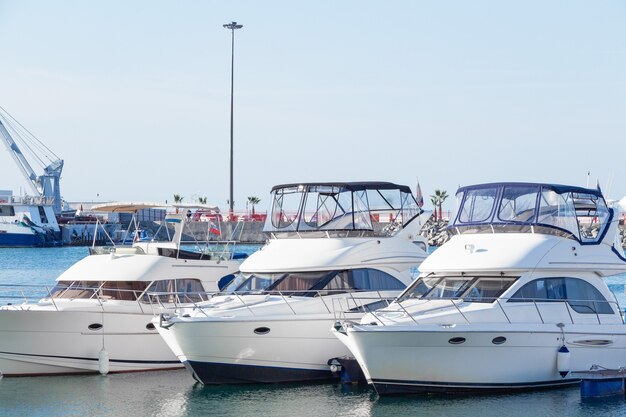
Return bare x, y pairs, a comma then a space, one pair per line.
32, 200
19, 294
502, 310
23, 297
339, 303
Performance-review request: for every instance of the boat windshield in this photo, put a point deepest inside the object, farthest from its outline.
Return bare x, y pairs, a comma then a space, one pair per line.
480, 289
571, 212
312, 284
251, 282
112, 290
341, 207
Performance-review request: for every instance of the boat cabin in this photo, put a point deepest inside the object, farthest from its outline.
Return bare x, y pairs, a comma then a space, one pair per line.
168, 290
340, 209
312, 284
567, 211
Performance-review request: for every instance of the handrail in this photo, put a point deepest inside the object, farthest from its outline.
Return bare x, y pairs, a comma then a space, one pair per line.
576, 310
538, 312
459, 310
503, 312
570, 307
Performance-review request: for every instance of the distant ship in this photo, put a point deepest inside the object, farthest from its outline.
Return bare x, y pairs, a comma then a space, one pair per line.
27, 221
30, 220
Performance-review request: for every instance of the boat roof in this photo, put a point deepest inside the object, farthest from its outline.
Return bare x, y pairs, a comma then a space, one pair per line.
195, 206
352, 186
559, 188
126, 207
133, 207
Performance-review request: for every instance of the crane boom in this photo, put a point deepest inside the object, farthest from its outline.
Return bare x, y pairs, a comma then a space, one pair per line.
46, 185
19, 158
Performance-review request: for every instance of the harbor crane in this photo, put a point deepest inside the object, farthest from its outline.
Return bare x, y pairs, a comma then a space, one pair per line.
45, 185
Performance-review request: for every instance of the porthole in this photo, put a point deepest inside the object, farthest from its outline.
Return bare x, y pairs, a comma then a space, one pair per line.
262, 330
498, 340
95, 326
150, 326
456, 340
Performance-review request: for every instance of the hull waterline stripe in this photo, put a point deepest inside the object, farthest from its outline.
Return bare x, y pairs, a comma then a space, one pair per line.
462, 385
210, 373
87, 359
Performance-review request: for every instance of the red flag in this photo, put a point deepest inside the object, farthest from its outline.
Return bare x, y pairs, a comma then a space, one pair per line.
418, 195
213, 229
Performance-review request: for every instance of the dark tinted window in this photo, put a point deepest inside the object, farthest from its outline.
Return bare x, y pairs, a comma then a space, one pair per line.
581, 296
373, 279
7, 211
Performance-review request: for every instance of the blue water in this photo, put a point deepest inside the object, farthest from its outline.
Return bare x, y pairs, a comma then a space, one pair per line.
175, 393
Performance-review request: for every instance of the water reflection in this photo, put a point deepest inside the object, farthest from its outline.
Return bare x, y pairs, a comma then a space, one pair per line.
174, 393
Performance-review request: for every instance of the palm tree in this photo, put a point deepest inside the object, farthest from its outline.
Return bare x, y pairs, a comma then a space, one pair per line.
253, 202
435, 201
177, 199
202, 200
441, 197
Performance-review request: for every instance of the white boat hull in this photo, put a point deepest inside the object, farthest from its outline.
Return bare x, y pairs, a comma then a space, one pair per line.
60, 342
426, 360
256, 350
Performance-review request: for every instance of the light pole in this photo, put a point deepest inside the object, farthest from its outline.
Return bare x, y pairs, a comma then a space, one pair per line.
232, 26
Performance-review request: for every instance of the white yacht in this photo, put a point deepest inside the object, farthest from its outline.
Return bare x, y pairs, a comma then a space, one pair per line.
27, 221
98, 315
327, 242
515, 300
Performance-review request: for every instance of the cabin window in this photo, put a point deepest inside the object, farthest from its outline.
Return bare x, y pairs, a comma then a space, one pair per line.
75, 289
298, 281
362, 216
373, 279
361, 280
518, 204
592, 215
469, 288
582, 297
557, 210
123, 290
185, 290
7, 211
420, 287
286, 207
478, 205
488, 289
321, 206
110, 290
42, 214
251, 282
449, 287
314, 283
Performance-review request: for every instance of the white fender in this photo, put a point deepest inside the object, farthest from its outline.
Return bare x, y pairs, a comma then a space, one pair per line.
103, 361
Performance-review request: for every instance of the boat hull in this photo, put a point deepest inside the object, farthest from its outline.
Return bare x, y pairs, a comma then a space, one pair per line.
253, 351
61, 342
19, 240
434, 359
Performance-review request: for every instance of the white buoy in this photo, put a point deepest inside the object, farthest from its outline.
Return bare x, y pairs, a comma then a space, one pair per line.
103, 362
563, 361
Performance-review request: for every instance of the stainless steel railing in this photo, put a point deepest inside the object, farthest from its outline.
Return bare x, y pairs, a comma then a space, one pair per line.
448, 311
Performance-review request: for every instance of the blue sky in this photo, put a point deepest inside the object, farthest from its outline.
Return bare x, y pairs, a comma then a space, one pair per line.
134, 95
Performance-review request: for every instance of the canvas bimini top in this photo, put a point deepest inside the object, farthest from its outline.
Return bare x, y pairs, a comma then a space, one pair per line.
569, 211
353, 207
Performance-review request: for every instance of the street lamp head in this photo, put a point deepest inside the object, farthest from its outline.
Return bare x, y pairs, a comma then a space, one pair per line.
232, 26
